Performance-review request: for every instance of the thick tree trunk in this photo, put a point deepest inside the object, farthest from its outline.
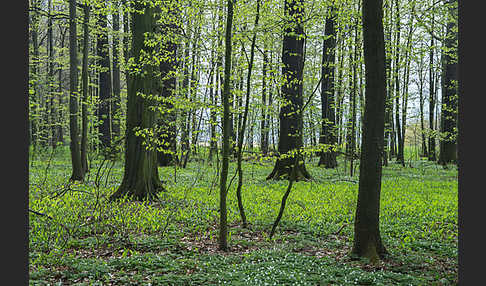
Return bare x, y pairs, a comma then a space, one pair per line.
140, 179
367, 240
448, 119
291, 127
78, 171
328, 124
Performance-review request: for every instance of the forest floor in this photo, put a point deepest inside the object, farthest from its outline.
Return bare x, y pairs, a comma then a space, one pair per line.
78, 237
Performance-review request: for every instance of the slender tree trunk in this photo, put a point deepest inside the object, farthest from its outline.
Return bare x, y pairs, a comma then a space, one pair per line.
50, 80
367, 240
34, 76
223, 191
77, 167
389, 100
328, 125
353, 103
168, 65
340, 95
116, 102
423, 151
270, 110
264, 123
185, 92
400, 157
60, 126
405, 85
431, 153
245, 118
84, 76
212, 116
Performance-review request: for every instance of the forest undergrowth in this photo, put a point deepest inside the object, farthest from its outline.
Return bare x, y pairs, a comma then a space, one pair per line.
78, 237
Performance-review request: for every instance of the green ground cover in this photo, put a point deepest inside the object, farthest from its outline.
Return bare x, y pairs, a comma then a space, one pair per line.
79, 238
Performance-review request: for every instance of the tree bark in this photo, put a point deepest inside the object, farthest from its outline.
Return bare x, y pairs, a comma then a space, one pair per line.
367, 240
328, 125
448, 119
84, 76
50, 80
223, 191
77, 167
291, 127
105, 88
264, 123
140, 179
389, 100
116, 102
400, 158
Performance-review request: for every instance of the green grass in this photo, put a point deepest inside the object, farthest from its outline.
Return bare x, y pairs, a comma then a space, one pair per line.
90, 241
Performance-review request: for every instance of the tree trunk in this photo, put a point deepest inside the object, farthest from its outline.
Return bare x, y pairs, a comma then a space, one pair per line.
34, 76
168, 65
400, 157
405, 85
140, 179
291, 127
60, 127
431, 153
448, 119
245, 118
84, 76
223, 191
105, 88
264, 123
423, 151
389, 100
212, 116
367, 240
77, 167
185, 113
50, 80
328, 125
353, 103
116, 101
